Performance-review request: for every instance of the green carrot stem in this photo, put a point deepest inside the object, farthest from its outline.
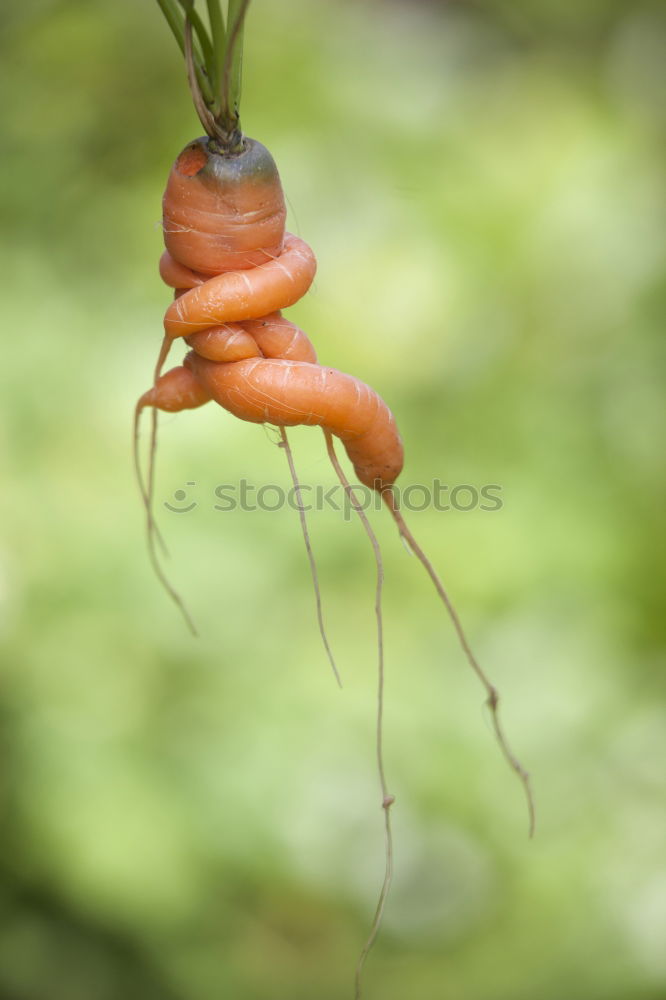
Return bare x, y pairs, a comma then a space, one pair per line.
219, 41
176, 21
233, 60
207, 48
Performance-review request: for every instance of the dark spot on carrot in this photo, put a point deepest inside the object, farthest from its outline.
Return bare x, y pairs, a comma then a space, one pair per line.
191, 161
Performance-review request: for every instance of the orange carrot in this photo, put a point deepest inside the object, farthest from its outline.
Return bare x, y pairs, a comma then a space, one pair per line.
233, 268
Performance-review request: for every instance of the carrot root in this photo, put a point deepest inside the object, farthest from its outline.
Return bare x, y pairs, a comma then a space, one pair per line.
147, 489
141, 483
284, 443
387, 798
493, 697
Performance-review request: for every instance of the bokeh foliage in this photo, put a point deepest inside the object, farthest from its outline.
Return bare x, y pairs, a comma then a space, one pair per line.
483, 186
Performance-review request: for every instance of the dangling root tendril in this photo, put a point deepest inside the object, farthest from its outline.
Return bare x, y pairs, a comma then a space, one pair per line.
147, 489
387, 798
493, 695
284, 443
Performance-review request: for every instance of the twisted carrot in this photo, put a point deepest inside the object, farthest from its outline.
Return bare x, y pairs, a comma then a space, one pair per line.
234, 268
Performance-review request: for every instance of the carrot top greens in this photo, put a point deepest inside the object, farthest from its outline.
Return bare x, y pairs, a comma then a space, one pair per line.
213, 55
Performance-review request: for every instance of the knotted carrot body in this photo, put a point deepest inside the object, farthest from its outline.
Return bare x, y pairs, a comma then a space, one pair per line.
234, 268
243, 294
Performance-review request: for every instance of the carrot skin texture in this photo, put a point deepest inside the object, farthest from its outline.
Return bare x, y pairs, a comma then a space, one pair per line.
277, 337
176, 390
223, 213
232, 296
178, 276
287, 393
230, 342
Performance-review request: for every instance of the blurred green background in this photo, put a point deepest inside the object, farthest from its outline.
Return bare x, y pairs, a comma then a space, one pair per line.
196, 819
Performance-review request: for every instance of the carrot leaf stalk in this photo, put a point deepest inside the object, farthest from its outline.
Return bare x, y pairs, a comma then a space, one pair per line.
230, 90
218, 33
213, 56
176, 21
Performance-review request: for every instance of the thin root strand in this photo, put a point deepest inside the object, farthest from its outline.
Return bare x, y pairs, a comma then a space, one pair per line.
147, 489
387, 798
284, 443
493, 698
